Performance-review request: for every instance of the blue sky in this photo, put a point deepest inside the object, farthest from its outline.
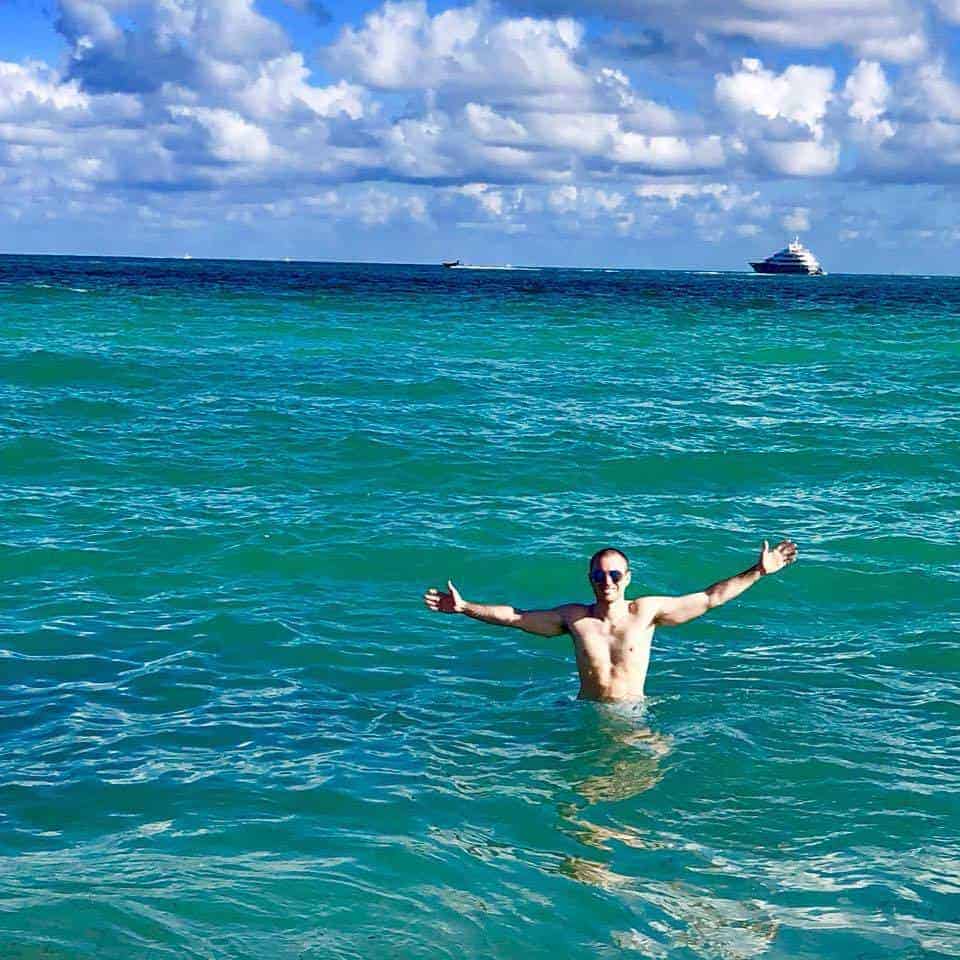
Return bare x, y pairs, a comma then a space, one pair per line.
647, 133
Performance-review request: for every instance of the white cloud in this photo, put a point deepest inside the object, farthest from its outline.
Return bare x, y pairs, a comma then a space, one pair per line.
797, 220
401, 47
668, 154
781, 117
676, 193
281, 84
417, 148
483, 206
931, 94
800, 158
911, 129
228, 136
32, 92
709, 209
29, 86
892, 30
724, 196
800, 94
491, 201
488, 125
586, 133
867, 90
119, 46
531, 109
585, 201
366, 206
375, 207
908, 48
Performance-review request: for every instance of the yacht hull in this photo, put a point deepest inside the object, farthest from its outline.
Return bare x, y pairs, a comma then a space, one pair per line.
764, 266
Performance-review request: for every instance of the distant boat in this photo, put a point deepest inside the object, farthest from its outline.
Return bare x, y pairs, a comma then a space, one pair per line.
794, 258
460, 265
186, 256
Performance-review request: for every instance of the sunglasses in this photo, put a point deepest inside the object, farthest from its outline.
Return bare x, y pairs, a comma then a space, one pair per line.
600, 576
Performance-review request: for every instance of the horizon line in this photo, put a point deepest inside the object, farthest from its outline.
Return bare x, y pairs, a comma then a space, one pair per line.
432, 263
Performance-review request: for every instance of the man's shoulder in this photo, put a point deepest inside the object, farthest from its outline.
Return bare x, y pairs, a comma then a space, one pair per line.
572, 611
644, 607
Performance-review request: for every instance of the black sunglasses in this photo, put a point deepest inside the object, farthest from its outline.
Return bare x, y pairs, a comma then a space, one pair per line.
600, 576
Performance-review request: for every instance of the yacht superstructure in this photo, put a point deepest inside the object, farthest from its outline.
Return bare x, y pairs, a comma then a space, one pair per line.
794, 258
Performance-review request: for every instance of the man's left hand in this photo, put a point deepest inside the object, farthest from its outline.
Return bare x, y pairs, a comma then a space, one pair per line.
772, 560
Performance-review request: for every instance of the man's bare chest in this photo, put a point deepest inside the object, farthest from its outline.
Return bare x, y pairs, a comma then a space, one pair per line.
617, 644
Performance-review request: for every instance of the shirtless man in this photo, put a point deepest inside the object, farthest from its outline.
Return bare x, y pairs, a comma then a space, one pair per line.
611, 636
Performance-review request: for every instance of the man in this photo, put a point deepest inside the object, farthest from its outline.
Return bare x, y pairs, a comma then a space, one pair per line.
611, 636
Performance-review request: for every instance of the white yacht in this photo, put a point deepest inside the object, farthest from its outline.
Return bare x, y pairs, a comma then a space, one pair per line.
794, 258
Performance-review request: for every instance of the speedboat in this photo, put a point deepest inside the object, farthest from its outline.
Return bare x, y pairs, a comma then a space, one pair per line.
452, 263
793, 258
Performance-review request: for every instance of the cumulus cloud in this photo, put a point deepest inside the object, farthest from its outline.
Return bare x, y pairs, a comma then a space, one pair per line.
710, 210
201, 93
867, 91
486, 124
33, 94
891, 30
676, 209
118, 46
800, 158
928, 93
281, 85
33, 89
228, 136
54, 137
780, 116
220, 88
588, 202
724, 196
908, 130
799, 95
508, 98
371, 206
401, 47
668, 154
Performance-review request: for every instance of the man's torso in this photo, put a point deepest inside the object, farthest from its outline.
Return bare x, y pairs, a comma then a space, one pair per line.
612, 657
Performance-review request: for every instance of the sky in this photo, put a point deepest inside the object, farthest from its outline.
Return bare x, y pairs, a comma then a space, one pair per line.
626, 133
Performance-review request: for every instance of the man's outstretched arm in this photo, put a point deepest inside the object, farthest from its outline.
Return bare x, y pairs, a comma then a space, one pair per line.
672, 611
546, 623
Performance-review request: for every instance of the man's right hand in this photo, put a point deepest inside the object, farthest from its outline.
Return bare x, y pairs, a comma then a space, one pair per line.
450, 602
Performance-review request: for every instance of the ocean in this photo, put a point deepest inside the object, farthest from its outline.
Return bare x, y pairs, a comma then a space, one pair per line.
230, 728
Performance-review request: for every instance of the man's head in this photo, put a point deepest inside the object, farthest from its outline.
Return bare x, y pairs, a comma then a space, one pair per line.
609, 574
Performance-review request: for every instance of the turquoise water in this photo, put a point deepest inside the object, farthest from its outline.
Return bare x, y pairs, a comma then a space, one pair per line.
231, 730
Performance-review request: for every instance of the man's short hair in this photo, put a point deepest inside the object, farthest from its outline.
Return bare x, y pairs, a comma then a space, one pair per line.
606, 552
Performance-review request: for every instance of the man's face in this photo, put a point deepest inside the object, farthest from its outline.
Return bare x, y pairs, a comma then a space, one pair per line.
609, 577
